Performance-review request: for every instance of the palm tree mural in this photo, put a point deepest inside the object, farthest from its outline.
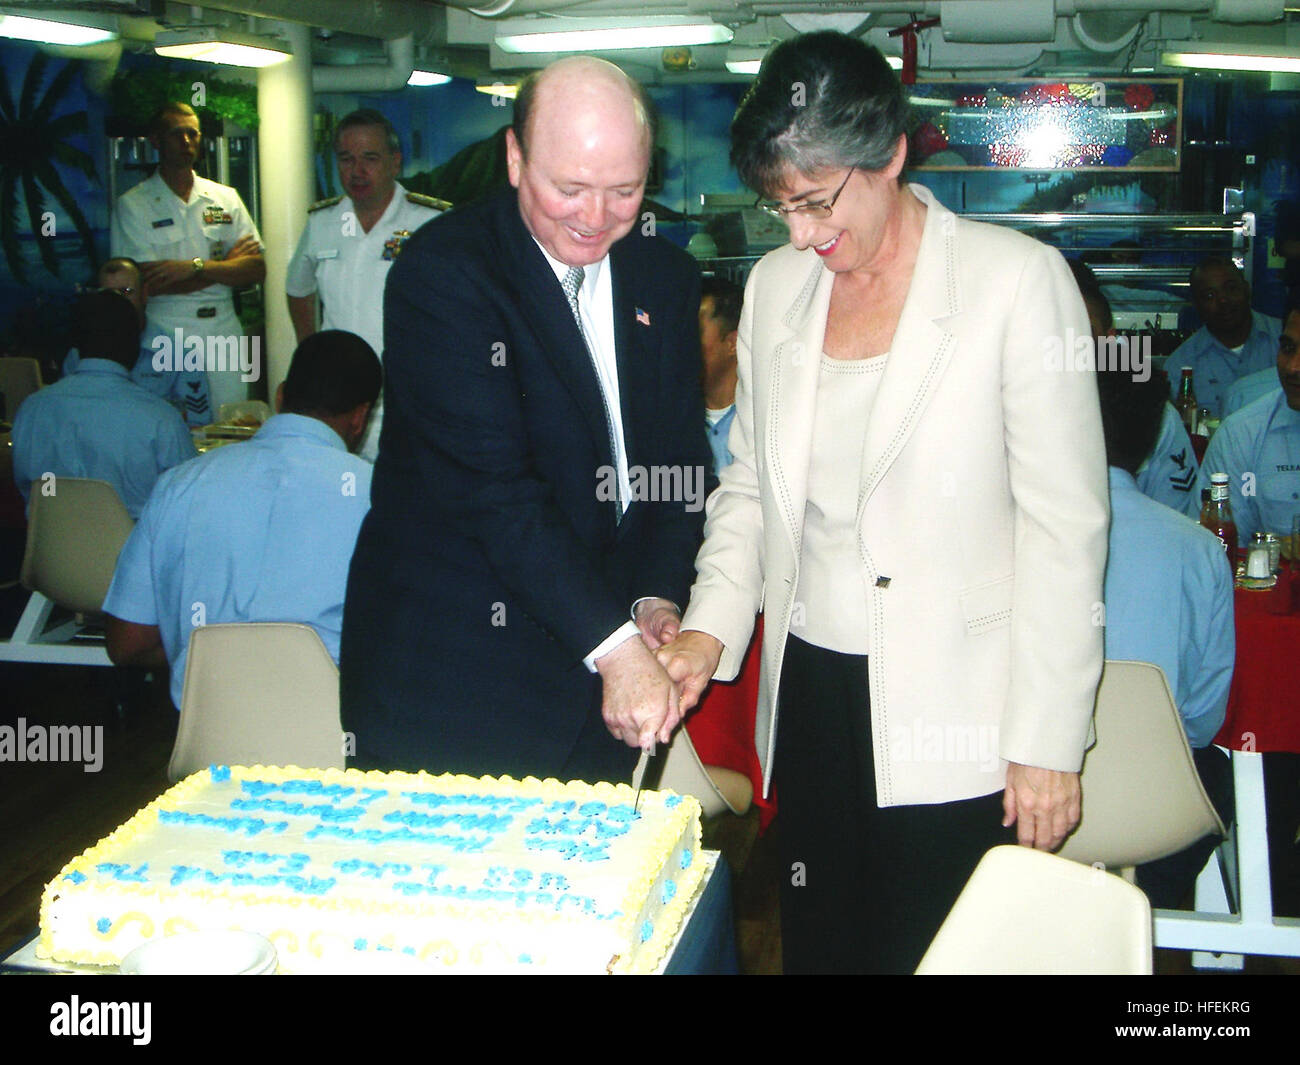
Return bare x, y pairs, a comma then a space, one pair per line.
32, 141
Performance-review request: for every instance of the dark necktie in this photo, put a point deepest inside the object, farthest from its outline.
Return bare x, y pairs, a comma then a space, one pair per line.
571, 283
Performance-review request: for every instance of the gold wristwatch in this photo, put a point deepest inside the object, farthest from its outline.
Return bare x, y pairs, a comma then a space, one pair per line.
197, 263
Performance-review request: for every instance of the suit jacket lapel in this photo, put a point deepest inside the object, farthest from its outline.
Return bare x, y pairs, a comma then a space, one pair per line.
795, 367
543, 303
920, 350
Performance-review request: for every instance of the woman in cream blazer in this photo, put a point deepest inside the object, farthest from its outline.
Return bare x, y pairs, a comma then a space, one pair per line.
980, 531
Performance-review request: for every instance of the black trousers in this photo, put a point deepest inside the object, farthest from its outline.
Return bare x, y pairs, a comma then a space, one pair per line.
864, 889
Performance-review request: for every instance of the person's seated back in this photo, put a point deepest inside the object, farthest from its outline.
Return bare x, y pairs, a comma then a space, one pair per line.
1258, 447
187, 390
1168, 475
1233, 342
98, 423
720, 304
1168, 600
255, 531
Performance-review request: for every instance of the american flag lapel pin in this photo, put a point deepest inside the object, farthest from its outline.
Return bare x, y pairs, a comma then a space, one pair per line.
642, 316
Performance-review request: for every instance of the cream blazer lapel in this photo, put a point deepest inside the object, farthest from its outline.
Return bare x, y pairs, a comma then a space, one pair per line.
795, 364
921, 348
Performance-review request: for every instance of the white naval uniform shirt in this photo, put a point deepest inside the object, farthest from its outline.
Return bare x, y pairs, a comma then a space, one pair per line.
347, 267
150, 223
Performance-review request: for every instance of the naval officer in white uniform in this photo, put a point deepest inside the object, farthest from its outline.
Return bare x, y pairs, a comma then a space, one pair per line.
350, 242
195, 243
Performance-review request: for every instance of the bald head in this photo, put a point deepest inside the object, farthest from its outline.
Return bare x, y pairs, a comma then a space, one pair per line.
582, 75
588, 135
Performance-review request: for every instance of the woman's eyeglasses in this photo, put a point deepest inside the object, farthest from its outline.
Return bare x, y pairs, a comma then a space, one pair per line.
807, 210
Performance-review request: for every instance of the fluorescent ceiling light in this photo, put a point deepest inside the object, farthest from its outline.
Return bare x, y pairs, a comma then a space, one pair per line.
1234, 57
750, 66
207, 44
427, 77
498, 88
607, 35
43, 31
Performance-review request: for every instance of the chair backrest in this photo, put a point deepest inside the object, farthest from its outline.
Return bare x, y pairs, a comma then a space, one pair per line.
19, 378
74, 535
718, 789
264, 693
1142, 796
1024, 911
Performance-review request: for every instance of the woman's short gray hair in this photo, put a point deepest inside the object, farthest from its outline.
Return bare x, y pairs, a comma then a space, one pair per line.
821, 101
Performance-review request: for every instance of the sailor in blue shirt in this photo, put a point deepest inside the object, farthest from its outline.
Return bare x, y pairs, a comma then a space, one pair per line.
98, 423
185, 390
720, 303
1259, 449
1233, 342
257, 531
1168, 596
1246, 390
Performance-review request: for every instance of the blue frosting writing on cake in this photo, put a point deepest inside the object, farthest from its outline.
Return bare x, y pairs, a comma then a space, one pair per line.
672, 802
103, 925
486, 822
464, 893
373, 870
571, 849
571, 826
332, 792
497, 803
622, 812
324, 811
249, 826
299, 885
460, 844
670, 889
75, 877
289, 863
123, 873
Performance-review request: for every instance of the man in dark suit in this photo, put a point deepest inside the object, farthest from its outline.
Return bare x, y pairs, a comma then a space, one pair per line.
537, 501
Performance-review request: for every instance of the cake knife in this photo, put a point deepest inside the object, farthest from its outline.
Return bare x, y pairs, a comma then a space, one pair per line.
638, 774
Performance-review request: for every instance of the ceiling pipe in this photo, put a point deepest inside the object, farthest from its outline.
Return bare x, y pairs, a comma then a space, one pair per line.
369, 77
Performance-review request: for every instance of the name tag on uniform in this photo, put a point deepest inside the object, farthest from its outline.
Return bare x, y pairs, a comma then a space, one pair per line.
393, 245
162, 223
327, 253
216, 216
206, 312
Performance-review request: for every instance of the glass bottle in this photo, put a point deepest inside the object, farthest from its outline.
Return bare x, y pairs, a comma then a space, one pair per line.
1216, 515
1185, 404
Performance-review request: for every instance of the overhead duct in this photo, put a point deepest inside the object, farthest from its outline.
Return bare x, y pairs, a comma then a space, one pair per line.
1247, 10
1106, 31
369, 77
387, 20
998, 21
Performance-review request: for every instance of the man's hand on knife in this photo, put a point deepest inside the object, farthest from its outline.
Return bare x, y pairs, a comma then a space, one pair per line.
639, 700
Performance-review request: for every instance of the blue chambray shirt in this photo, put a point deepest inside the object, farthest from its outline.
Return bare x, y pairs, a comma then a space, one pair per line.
99, 424
257, 531
1169, 475
717, 434
1169, 601
1263, 438
187, 390
1215, 367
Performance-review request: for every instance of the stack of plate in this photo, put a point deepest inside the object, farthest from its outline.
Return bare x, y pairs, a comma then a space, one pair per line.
228, 953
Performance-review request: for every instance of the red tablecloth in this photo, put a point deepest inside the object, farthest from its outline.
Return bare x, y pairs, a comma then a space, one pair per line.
1264, 703
722, 726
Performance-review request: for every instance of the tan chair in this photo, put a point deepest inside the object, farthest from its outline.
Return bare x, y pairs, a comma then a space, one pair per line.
718, 789
19, 378
74, 535
263, 693
1142, 796
1026, 912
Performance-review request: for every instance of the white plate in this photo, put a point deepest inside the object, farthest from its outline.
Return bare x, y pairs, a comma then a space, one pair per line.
229, 953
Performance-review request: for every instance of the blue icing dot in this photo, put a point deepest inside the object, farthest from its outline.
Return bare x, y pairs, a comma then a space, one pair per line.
672, 801
670, 889
647, 930
686, 859
409, 950
103, 925
525, 959
219, 773
359, 944
75, 877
